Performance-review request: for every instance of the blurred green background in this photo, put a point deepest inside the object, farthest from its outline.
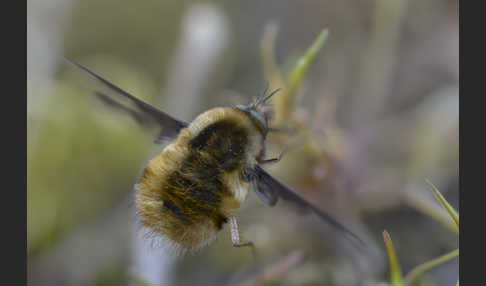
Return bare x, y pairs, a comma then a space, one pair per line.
380, 102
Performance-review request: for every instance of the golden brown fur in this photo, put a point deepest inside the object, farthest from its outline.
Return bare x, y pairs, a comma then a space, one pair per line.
188, 190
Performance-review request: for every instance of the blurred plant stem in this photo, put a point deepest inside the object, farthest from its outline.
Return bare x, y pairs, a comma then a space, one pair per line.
426, 206
203, 41
270, 68
378, 58
44, 36
395, 269
422, 268
274, 271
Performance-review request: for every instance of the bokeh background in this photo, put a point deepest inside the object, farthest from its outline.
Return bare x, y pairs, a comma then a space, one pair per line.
378, 106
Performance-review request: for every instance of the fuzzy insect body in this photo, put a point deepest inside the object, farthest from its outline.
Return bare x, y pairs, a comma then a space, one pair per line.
189, 190
194, 186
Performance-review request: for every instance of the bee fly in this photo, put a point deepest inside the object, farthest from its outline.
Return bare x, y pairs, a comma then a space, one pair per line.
194, 186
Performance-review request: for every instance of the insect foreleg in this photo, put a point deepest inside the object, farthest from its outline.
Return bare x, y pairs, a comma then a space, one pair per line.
285, 150
275, 160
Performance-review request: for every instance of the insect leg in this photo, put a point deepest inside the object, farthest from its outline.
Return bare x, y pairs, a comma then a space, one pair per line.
275, 160
285, 150
235, 236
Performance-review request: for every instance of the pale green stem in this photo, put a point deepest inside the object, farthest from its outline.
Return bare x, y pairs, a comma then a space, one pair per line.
420, 269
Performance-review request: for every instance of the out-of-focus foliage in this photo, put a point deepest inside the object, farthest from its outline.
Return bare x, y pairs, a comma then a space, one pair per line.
395, 268
445, 204
80, 140
397, 278
375, 107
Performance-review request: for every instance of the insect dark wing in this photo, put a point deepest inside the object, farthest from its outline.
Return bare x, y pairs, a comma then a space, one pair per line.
144, 114
270, 190
265, 191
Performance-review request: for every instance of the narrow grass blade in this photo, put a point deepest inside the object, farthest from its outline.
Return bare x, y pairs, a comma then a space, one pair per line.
395, 269
304, 62
429, 207
285, 102
444, 203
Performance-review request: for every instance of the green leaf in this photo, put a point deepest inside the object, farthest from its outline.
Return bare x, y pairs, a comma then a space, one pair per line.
444, 203
395, 269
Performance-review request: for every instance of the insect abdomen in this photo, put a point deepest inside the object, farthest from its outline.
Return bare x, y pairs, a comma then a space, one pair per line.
184, 204
197, 188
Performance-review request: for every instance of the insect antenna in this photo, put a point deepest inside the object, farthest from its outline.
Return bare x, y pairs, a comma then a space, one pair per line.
267, 86
264, 99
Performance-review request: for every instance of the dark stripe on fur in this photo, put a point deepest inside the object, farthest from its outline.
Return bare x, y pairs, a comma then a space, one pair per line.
224, 141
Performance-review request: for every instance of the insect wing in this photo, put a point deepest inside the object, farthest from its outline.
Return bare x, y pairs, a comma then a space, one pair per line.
143, 113
270, 190
265, 191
